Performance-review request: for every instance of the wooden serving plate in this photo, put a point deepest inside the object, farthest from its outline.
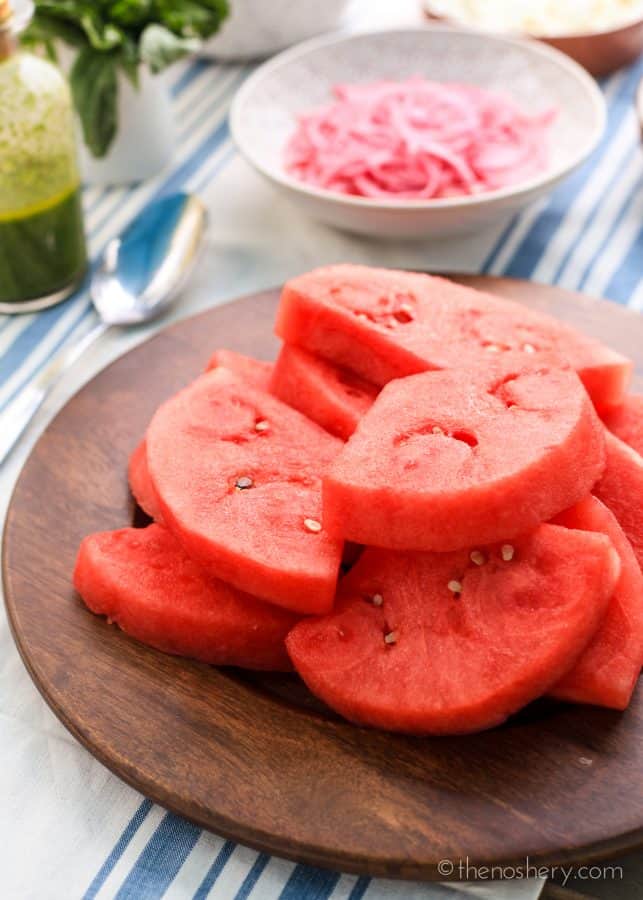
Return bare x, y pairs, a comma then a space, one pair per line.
254, 757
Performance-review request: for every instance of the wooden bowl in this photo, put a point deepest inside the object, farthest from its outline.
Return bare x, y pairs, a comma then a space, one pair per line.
600, 52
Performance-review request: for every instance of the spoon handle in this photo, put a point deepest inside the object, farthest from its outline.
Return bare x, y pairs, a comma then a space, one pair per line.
20, 411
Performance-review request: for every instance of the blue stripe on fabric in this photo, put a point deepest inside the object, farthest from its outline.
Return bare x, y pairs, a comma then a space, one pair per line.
197, 68
211, 173
500, 243
157, 866
105, 193
31, 336
214, 871
214, 139
119, 848
627, 277
595, 210
359, 888
309, 882
528, 254
622, 213
253, 876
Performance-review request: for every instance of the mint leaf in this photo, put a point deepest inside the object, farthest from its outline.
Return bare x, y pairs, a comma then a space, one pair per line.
95, 91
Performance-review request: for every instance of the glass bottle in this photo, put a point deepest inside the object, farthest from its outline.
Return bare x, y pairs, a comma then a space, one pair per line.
42, 244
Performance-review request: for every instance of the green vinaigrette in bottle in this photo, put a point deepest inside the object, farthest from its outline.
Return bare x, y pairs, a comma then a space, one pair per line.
42, 244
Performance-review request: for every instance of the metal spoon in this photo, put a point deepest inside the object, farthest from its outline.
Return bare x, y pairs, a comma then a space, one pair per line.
138, 277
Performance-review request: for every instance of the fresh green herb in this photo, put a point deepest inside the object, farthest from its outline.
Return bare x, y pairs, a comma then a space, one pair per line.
113, 35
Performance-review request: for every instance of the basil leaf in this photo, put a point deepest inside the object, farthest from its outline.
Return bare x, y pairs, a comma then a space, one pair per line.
95, 91
159, 47
129, 13
45, 29
192, 18
129, 60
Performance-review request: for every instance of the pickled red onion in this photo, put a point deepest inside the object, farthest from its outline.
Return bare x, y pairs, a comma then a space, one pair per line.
417, 139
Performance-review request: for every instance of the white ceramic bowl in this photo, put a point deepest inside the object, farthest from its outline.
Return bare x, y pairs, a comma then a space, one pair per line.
264, 112
255, 29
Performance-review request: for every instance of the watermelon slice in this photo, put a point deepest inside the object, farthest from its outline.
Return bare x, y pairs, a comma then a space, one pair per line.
237, 475
385, 324
621, 489
626, 421
436, 643
142, 580
253, 371
334, 398
447, 459
256, 372
608, 670
141, 484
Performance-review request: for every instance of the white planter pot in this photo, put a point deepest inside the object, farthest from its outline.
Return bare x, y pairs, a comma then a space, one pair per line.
146, 138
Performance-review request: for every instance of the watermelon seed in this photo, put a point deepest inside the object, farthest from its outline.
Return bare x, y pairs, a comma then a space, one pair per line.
391, 637
312, 525
437, 430
477, 557
243, 483
377, 599
492, 348
262, 425
507, 552
455, 587
403, 315
529, 348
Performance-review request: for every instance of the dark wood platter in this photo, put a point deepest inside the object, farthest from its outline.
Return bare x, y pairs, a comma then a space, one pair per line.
254, 758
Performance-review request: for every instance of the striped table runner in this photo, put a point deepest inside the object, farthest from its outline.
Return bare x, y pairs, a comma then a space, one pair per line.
68, 828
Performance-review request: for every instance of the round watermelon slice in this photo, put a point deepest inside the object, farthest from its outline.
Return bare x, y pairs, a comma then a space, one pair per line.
141, 484
141, 579
256, 372
446, 459
334, 398
609, 668
435, 643
621, 490
384, 324
237, 474
626, 422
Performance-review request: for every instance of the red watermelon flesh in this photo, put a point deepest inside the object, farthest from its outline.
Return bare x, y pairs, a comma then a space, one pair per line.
621, 489
142, 580
385, 324
237, 474
334, 398
256, 372
608, 670
626, 421
402, 651
443, 460
141, 484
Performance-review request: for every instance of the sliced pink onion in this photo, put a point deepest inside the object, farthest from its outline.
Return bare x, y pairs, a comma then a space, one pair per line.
418, 139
